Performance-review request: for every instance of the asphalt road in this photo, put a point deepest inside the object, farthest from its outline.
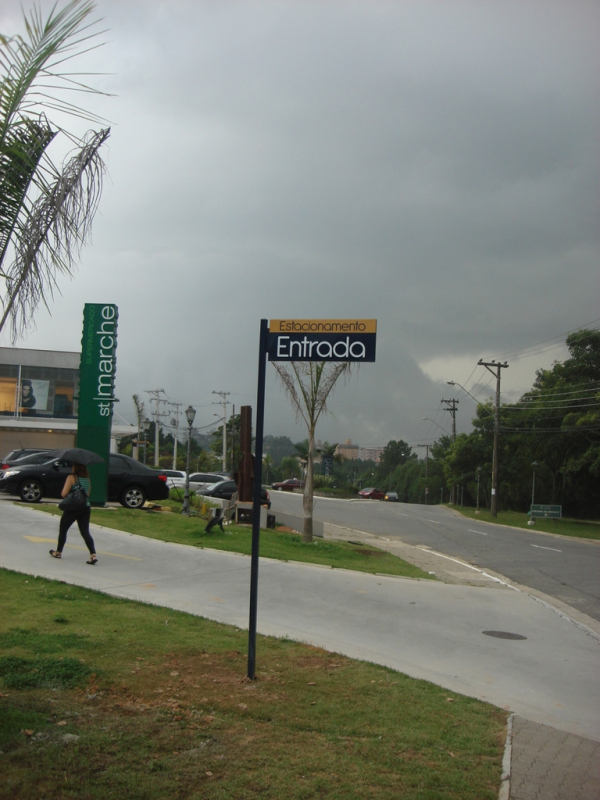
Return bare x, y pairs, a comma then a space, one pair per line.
560, 567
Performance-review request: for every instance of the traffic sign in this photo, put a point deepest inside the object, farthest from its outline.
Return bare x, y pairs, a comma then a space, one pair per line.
545, 512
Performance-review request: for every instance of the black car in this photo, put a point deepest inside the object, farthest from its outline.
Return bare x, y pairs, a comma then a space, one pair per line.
26, 455
129, 482
224, 490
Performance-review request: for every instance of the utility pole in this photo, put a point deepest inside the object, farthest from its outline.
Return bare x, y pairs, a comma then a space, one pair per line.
155, 395
495, 368
426, 446
223, 396
175, 424
452, 409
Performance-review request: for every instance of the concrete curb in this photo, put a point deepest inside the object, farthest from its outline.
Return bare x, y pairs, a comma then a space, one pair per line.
504, 793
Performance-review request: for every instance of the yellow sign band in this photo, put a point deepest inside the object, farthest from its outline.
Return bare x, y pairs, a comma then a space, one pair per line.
323, 326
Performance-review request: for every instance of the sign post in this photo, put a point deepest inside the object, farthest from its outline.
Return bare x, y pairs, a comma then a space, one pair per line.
96, 390
297, 340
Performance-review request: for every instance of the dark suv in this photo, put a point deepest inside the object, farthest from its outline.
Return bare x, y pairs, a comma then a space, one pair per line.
129, 482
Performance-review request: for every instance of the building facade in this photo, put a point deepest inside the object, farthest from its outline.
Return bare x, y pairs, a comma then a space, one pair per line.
39, 400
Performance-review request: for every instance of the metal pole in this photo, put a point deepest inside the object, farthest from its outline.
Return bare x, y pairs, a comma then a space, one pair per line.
258, 454
532, 520
185, 509
478, 475
498, 368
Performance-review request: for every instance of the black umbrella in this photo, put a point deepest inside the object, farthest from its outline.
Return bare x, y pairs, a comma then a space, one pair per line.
78, 455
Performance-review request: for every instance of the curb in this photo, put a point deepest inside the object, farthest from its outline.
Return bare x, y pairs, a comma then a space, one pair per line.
504, 793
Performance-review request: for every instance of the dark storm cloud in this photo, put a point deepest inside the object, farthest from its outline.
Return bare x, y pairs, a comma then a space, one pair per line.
433, 165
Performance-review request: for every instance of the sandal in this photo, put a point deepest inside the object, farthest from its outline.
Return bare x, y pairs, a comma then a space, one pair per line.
55, 554
93, 560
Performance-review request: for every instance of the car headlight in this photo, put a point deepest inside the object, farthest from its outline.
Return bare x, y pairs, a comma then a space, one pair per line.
8, 473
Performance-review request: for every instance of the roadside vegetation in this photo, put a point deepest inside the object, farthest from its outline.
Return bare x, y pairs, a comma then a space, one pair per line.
103, 698
281, 544
584, 529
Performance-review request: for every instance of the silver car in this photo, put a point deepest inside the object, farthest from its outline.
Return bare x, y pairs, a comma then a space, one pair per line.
198, 481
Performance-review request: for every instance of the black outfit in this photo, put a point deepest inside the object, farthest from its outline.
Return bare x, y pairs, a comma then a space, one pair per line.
82, 518
83, 521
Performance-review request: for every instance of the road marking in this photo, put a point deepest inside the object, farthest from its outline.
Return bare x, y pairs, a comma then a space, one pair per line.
401, 514
435, 522
481, 532
539, 546
41, 539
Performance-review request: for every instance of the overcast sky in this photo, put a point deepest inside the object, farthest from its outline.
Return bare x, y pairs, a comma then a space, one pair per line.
433, 165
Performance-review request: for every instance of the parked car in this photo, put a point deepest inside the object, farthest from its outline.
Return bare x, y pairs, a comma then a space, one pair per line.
226, 489
288, 485
392, 497
24, 453
129, 482
200, 480
372, 493
174, 476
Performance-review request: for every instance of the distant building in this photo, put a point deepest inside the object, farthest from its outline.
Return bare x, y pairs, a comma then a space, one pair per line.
38, 400
348, 450
371, 453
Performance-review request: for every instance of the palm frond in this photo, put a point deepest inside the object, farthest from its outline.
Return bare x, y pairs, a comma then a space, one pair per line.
50, 239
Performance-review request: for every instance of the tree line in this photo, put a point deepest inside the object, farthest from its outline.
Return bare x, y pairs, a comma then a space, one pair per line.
553, 428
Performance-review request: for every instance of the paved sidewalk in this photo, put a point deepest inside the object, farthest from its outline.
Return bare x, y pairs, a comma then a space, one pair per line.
426, 629
552, 765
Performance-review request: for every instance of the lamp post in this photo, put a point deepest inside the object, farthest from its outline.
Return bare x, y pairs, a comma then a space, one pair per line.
190, 413
146, 424
532, 520
478, 476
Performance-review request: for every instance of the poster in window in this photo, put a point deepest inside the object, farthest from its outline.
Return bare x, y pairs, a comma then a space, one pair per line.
34, 394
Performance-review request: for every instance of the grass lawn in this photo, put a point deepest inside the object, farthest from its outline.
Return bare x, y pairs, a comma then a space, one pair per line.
172, 527
102, 698
566, 527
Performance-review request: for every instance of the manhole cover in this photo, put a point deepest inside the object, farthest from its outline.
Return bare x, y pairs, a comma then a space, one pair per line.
504, 635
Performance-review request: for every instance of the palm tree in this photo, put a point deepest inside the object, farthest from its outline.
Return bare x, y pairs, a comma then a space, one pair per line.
46, 212
308, 385
268, 462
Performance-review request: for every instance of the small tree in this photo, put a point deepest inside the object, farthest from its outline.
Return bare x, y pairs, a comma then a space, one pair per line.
308, 384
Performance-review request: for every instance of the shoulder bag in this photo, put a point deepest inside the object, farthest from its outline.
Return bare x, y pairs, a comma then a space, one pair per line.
76, 500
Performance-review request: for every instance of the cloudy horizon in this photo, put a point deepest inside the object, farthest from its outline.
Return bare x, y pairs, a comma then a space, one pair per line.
431, 165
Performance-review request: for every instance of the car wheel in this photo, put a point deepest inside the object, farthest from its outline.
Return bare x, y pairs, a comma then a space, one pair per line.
30, 491
133, 497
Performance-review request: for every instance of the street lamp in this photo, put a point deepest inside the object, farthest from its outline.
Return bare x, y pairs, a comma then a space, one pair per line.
532, 520
478, 476
190, 413
146, 425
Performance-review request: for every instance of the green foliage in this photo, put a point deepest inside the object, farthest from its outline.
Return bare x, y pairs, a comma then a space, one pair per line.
290, 467
556, 424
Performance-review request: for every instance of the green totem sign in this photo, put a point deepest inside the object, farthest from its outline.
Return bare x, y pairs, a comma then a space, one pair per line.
96, 390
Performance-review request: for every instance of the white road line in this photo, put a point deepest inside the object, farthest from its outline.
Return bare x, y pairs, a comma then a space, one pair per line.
481, 532
435, 522
539, 546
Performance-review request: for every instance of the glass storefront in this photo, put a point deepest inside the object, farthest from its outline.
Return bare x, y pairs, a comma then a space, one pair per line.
28, 391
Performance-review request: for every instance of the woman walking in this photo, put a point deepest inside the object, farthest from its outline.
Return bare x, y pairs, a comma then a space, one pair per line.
79, 477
